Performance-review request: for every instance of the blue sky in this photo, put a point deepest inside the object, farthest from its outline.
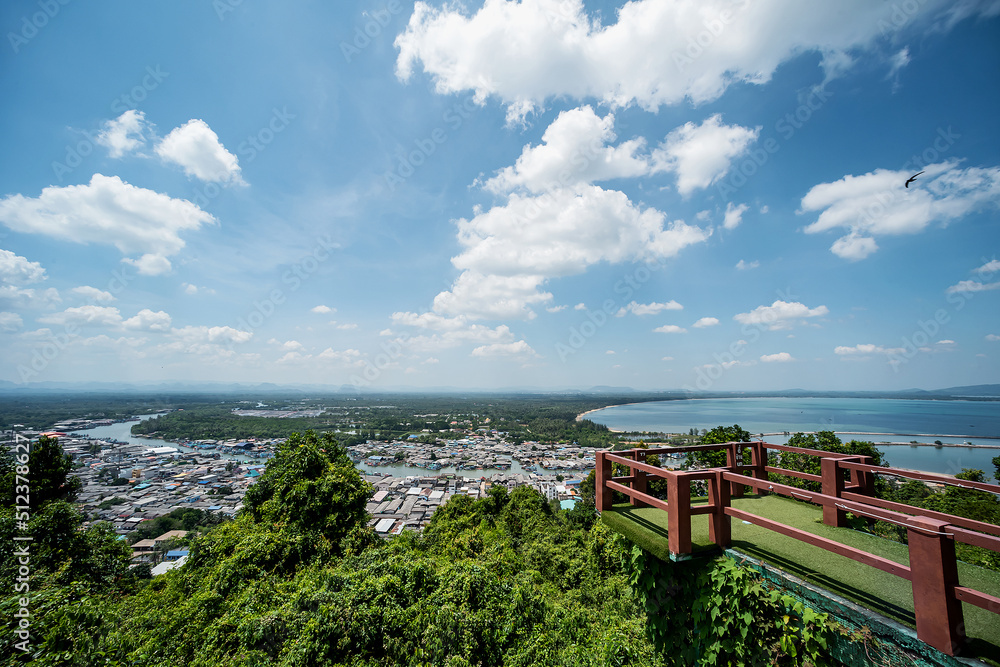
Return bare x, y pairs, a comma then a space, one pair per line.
551, 194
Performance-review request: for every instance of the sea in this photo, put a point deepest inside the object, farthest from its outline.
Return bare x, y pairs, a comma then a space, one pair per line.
898, 421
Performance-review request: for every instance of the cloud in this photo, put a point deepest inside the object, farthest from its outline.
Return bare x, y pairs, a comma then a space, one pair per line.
347, 326
877, 204
10, 322
854, 247
705, 322
670, 328
556, 309
972, 286
148, 320
349, 357
93, 294
207, 340
449, 331
88, 315
510, 251
701, 154
746, 266
580, 306
898, 61
780, 357
123, 134
196, 148
516, 349
780, 314
322, 310
734, 215
17, 270
574, 150
150, 264
642, 309
866, 349
108, 211
992, 337
654, 53
189, 288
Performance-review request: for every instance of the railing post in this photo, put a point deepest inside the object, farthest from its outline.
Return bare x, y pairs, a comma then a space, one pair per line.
934, 573
833, 485
679, 514
603, 495
759, 454
733, 460
638, 480
864, 481
720, 527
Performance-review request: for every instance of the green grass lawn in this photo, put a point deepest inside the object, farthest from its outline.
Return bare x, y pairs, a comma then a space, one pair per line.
879, 591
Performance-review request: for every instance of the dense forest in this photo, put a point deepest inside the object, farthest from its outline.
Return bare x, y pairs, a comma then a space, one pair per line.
298, 579
543, 418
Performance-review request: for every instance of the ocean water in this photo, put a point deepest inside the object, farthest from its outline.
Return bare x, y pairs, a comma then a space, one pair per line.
894, 420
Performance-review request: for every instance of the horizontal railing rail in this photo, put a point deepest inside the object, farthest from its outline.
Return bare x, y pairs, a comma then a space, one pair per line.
846, 486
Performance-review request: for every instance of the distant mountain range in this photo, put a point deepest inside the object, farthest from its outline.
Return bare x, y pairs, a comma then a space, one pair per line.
979, 391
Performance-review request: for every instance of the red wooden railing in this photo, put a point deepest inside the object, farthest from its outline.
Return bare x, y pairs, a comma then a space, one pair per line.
847, 485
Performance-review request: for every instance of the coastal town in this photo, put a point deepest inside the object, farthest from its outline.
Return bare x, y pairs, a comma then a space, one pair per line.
130, 483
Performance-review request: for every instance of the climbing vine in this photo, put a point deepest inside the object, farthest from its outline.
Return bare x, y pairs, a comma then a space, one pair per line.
718, 613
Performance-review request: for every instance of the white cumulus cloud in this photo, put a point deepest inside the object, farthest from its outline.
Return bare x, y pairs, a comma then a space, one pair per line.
780, 357
516, 349
734, 215
123, 134
135, 220
196, 148
93, 294
574, 150
653, 53
780, 314
701, 154
877, 203
669, 328
642, 309
705, 322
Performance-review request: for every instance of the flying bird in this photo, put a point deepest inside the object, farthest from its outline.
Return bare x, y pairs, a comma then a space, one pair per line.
911, 179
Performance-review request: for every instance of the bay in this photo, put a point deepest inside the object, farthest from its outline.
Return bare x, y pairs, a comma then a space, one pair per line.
891, 420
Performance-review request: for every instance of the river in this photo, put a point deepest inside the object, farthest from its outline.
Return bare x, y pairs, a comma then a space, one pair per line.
122, 432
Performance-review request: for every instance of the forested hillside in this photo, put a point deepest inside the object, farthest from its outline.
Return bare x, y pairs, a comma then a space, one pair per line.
298, 579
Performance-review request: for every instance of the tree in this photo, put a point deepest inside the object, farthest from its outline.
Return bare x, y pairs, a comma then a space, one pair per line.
996, 465
718, 435
48, 469
311, 484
